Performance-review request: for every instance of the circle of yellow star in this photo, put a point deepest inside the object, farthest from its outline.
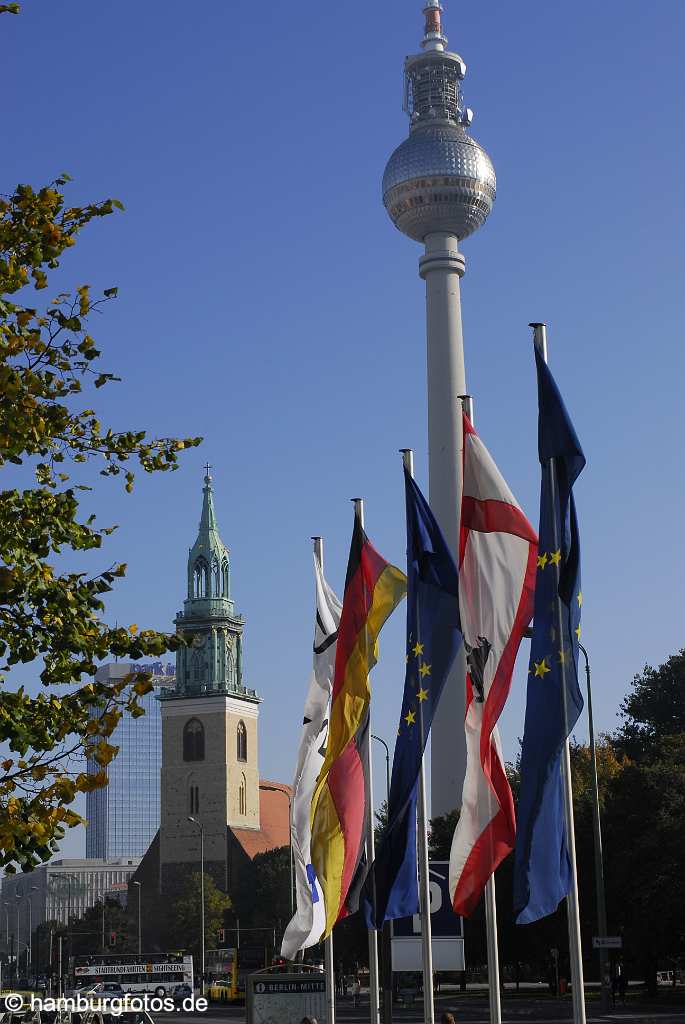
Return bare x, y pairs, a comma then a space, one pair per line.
555, 558
425, 670
422, 694
541, 668
410, 717
542, 561
580, 599
417, 649
577, 632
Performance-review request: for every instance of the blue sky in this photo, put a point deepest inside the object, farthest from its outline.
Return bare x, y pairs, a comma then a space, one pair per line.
267, 303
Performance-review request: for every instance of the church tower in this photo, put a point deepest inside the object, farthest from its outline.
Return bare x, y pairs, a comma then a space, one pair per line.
209, 723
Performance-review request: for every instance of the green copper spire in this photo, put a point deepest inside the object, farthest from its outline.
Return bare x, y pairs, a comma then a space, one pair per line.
209, 577
214, 662
208, 517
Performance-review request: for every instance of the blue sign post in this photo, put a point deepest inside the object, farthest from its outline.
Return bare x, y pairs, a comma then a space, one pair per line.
447, 929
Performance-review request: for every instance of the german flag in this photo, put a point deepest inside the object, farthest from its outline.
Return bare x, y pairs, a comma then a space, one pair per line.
340, 804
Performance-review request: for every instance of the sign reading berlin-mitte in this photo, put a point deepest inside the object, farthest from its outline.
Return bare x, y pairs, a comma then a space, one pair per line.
281, 998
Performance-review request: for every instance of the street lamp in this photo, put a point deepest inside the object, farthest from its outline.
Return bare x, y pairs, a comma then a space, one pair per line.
277, 789
7, 933
103, 898
386, 934
600, 896
202, 897
34, 888
18, 897
387, 769
140, 943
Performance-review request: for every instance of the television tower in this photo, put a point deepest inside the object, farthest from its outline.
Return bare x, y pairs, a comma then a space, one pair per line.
438, 188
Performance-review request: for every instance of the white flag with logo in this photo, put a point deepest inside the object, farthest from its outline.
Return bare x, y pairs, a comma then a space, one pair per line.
309, 920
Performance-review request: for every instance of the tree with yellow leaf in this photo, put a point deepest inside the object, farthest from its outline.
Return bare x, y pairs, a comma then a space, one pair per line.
51, 620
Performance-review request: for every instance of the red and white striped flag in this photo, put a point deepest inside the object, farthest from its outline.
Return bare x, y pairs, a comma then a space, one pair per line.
497, 563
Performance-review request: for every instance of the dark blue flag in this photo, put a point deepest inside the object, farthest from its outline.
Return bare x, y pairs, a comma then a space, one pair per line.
542, 867
433, 639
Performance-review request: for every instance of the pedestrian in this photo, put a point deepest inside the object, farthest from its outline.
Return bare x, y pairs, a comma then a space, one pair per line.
356, 989
447, 1018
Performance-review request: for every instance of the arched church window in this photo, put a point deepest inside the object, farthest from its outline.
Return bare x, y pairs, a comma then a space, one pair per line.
196, 667
216, 579
224, 578
200, 578
242, 796
193, 741
242, 741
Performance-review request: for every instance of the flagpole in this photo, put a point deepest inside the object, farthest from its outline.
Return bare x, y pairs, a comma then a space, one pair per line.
600, 898
374, 997
330, 978
494, 996
422, 832
572, 905
328, 942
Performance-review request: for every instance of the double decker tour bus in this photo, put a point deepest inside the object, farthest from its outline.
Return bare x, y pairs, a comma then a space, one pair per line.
155, 973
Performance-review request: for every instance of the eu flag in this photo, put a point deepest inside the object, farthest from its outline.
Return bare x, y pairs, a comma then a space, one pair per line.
433, 639
542, 867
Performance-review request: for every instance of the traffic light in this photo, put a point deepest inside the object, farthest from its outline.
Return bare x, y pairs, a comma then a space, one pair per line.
112, 938
222, 935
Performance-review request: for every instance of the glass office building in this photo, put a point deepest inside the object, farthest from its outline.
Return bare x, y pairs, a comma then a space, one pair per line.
123, 816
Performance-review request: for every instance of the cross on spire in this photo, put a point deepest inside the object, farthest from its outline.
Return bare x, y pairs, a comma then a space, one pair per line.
207, 468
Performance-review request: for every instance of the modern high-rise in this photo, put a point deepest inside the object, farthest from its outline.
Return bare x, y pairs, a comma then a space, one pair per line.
123, 816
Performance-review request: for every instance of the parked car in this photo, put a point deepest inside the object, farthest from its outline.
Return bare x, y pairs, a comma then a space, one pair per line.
182, 991
101, 990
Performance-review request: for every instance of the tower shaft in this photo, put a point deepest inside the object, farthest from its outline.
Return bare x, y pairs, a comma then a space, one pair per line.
442, 267
439, 186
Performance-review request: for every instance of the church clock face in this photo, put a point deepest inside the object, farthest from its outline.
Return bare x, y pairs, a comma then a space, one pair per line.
199, 640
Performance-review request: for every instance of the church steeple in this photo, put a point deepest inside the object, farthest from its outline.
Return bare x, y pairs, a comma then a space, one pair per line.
208, 518
209, 579
213, 663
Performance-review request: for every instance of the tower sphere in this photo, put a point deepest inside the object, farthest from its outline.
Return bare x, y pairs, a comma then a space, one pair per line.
439, 179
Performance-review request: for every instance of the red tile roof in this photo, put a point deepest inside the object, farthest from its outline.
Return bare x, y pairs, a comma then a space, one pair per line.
274, 817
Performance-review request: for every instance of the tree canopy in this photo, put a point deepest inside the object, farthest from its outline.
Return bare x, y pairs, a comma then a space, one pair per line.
185, 919
654, 709
51, 619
